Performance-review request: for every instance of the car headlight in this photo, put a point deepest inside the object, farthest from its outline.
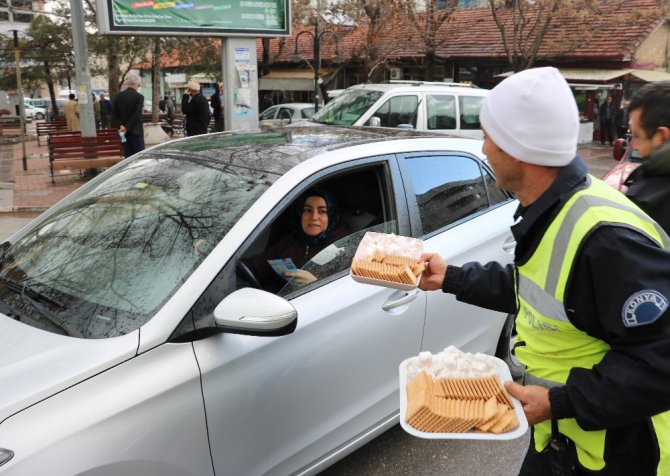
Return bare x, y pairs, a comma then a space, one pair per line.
5, 455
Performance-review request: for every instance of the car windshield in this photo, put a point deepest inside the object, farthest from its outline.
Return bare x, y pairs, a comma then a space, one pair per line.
348, 107
109, 257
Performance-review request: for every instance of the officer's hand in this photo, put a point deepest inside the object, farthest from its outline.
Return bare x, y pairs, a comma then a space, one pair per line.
433, 275
534, 400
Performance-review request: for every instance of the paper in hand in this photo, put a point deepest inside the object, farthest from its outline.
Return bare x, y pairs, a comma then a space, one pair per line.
281, 266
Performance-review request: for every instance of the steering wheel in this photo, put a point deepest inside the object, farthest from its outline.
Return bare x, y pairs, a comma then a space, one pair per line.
248, 275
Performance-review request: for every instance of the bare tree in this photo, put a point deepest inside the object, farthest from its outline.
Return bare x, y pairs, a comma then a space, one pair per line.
429, 19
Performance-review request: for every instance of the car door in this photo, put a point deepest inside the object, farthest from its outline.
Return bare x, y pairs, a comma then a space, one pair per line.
277, 404
459, 213
268, 117
401, 110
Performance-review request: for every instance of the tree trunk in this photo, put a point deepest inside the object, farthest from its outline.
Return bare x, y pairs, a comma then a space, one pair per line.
430, 66
155, 79
114, 72
52, 91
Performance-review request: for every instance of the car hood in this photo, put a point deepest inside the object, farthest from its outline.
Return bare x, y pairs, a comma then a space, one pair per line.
36, 364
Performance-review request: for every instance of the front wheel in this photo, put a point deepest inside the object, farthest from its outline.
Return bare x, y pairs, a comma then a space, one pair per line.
39, 115
505, 347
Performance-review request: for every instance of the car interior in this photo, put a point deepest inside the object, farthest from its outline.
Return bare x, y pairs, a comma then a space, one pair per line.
361, 200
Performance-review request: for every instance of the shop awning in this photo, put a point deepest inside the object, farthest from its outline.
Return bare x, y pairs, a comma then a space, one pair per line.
291, 79
650, 76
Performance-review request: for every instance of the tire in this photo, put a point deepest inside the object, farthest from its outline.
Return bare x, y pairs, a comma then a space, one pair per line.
39, 115
505, 346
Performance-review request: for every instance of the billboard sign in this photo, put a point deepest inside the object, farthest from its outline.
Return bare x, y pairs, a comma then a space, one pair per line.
255, 18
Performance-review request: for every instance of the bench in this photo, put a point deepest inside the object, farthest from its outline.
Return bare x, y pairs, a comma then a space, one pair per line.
10, 123
146, 118
46, 127
74, 152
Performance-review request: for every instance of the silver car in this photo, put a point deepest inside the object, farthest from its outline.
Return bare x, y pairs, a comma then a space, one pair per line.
288, 113
133, 342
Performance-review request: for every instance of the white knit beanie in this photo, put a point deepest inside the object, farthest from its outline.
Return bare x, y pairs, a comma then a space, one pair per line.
533, 116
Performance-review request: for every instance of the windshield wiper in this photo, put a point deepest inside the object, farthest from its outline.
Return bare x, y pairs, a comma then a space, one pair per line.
33, 297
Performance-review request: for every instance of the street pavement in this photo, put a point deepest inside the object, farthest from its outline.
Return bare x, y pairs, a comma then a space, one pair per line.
24, 194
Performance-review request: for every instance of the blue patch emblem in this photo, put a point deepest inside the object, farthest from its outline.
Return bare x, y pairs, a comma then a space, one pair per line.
643, 307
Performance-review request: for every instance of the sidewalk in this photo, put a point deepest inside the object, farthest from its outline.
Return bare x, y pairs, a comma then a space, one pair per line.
32, 191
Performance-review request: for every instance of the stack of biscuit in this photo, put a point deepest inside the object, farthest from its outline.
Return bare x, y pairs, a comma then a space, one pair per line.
388, 267
458, 405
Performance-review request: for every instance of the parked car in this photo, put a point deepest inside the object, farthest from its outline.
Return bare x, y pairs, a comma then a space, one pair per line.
288, 113
35, 112
628, 159
38, 102
440, 107
133, 342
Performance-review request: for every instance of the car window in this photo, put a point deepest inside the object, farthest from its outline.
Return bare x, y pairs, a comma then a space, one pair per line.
447, 189
307, 112
441, 111
398, 110
269, 113
348, 107
285, 113
470, 107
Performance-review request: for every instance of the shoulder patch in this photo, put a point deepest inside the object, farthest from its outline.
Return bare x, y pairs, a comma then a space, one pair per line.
643, 307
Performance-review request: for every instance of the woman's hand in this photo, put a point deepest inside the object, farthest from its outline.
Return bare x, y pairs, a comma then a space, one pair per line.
300, 277
433, 275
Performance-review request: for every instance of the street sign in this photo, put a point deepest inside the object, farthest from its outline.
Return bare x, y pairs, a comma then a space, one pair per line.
255, 18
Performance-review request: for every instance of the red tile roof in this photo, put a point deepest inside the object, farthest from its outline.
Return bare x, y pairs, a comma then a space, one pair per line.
613, 35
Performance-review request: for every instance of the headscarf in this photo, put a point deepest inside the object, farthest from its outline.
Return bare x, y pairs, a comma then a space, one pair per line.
333, 215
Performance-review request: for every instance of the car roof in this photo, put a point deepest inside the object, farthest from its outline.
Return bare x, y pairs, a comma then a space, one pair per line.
278, 150
298, 105
412, 86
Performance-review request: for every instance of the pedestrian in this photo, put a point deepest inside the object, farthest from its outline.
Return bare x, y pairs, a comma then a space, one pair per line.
96, 111
169, 108
217, 108
105, 112
196, 110
649, 184
71, 111
161, 104
266, 102
621, 120
590, 288
127, 115
606, 115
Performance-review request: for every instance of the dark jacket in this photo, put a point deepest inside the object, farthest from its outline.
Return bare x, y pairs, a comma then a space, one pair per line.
632, 382
649, 186
607, 112
215, 101
127, 111
196, 110
290, 246
106, 107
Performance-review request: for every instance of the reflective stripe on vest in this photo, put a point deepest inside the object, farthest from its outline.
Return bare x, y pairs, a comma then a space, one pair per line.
552, 344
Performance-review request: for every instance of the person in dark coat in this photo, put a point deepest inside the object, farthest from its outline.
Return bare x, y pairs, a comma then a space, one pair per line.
606, 115
196, 110
621, 120
217, 108
105, 112
314, 226
127, 115
649, 184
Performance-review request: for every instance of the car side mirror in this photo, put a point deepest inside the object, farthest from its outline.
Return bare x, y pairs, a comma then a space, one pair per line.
375, 122
255, 312
619, 149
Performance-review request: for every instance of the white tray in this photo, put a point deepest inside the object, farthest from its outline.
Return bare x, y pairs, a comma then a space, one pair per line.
360, 253
503, 373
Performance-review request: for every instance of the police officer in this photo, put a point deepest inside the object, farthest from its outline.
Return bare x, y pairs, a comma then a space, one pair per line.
590, 287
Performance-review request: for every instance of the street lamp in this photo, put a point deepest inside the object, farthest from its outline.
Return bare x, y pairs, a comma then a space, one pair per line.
296, 56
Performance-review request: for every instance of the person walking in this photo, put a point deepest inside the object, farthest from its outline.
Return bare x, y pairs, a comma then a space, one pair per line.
127, 115
96, 111
71, 112
606, 115
649, 184
105, 112
196, 110
590, 288
217, 108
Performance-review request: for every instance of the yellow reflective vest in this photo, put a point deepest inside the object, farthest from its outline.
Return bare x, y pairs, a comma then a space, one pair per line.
552, 345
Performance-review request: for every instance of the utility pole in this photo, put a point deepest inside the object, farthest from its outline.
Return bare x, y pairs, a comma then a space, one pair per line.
22, 106
82, 73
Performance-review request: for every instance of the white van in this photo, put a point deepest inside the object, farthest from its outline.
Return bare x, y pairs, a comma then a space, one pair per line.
451, 108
